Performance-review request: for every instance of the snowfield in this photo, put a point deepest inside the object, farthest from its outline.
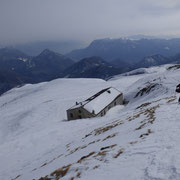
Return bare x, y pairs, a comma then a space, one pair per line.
138, 141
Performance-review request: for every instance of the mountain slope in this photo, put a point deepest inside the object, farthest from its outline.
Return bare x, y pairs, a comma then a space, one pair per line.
13, 69
13, 60
8, 80
49, 65
16, 68
154, 60
92, 67
137, 141
126, 49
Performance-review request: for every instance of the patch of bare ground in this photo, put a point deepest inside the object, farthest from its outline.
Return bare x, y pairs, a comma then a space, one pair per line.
16, 177
143, 105
110, 136
34, 169
61, 172
85, 157
118, 153
78, 175
174, 67
150, 113
46, 163
100, 155
133, 142
107, 128
68, 146
108, 147
87, 135
81, 147
92, 142
150, 116
137, 115
57, 174
45, 178
146, 134
141, 126
171, 99
97, 166
103, 152
43, 164
146, 90
104, 129
73, 151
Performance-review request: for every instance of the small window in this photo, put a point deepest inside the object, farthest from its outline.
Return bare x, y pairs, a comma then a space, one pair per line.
71, 115
80, 111
102, 114
109, 91
115, 103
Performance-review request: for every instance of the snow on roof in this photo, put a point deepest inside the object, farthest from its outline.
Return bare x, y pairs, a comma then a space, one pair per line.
99, 101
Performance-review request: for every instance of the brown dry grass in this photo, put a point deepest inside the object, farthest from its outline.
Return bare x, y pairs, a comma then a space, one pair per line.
146, 134
101, 130
92, 142
61, 172
118, 153
46, 163
100, 155
78, 175
107, 128
110, 136
150, 87
141, 126
85, 157
172, 99
143, 105
133, 142
108, 147
150, 116
97, 166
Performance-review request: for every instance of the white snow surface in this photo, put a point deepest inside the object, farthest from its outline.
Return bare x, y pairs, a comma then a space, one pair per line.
139, 141
151, 70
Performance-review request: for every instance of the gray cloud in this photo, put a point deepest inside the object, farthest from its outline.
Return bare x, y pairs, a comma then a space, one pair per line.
29, 20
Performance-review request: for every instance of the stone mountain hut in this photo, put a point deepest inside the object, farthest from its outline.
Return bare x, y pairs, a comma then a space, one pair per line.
97, 105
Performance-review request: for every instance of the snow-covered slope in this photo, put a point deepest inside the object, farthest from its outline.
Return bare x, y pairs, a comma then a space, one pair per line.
150, 70
134, 142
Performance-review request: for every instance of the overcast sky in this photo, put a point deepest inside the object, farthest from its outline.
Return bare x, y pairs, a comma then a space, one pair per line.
32, 20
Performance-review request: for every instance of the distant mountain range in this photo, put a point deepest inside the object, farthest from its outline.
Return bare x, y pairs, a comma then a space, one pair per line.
127, 50
17, 68
153, 60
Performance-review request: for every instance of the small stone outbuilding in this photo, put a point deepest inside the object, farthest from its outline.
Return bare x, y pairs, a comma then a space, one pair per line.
97, 105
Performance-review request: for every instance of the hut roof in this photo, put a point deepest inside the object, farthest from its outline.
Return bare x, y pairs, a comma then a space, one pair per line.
99, 101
